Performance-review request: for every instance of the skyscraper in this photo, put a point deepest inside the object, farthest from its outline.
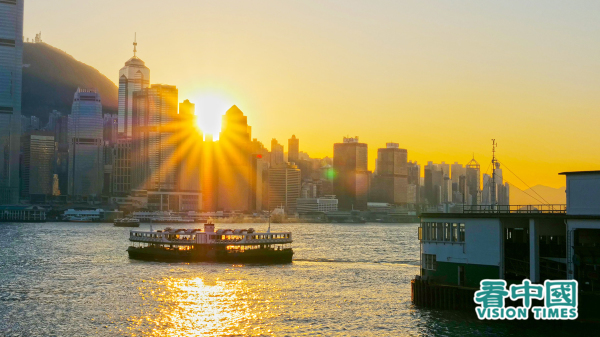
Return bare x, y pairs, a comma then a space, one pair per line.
234, 162
473, 182
390, 183
86, 155
153, 142
351, 175
37, 164
134, 76
284, 187
293, 149
11, 65
189, 148
276, 153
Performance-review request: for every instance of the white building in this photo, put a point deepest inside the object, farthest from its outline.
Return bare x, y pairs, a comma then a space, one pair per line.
11, 65
86, 154
324, 204
134, 76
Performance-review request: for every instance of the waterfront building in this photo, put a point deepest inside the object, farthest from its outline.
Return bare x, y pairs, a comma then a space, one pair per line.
154, 139
11, 68
351, 175
276, 153
234, 162
37, 166
133, 77
174, 201
293, 149
390, 182
86, 155
537, 242
323, 204
22, 214
284, 185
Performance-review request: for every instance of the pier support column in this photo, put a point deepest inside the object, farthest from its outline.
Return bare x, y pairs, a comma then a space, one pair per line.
534, 251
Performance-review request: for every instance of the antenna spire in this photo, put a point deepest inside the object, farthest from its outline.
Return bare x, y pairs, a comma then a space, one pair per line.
135, 44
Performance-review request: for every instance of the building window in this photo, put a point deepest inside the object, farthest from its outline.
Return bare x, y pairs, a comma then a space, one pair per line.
429, 262
461, 230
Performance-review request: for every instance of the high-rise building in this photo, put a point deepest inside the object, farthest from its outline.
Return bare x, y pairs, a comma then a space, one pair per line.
473, 183
189, 148
209, 179
86, 155
234, 162
133, 77
284, 187
37, 167
293, 149
154, 138
11, 65
121, 174
276, 153
351, 174
390, 182
414, 183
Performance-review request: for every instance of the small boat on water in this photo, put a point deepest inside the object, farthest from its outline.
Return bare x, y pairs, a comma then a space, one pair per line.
224, 245
127, 222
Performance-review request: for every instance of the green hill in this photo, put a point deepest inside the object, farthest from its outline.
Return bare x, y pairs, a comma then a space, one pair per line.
51, 77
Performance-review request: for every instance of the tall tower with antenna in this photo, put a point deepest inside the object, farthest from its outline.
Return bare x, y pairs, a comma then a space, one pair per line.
494, 165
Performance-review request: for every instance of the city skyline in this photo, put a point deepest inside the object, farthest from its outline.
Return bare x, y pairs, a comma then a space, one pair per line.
384, 74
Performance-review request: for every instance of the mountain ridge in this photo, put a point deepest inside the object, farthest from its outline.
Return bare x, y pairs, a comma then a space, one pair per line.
51, 77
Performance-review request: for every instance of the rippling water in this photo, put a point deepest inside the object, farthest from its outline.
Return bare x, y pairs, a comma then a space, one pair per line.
67, 279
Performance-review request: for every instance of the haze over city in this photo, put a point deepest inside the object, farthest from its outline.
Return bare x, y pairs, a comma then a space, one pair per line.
440, 78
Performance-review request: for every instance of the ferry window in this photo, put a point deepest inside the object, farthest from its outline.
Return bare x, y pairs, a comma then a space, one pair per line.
462, 232
433, 231
425, 226
454, 232
429, 262
420, 233
440, 231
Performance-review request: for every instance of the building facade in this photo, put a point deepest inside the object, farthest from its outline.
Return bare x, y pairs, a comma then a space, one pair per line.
284, 187
154, 138
351, 175
11, 65
390, 183
86, 153
37, 166
133, 77
293, 149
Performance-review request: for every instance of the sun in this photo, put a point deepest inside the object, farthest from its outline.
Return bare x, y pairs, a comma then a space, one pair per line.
209, 109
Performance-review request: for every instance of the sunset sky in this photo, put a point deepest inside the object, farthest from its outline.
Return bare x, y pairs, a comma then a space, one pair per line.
442, 78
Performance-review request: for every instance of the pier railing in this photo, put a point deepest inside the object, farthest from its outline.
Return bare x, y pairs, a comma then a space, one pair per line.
545, 208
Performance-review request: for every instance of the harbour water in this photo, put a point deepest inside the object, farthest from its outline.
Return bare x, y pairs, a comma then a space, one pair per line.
75, 279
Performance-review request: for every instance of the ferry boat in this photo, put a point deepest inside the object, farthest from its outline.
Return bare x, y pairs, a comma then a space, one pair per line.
127, 222
224, 245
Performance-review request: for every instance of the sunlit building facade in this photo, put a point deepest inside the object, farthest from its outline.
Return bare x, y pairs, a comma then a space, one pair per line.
133, 77
284, 187
154, 143
11, 65
390, 183
86, 153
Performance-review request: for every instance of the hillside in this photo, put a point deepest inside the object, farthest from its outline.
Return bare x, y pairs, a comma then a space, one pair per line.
551, 195
51, 77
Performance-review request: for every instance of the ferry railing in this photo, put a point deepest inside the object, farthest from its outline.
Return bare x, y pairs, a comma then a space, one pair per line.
504, 209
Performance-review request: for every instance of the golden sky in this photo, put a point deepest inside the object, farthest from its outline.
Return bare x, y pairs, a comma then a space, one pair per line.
439, 77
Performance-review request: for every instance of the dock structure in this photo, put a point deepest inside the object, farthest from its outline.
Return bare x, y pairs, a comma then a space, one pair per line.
513, 243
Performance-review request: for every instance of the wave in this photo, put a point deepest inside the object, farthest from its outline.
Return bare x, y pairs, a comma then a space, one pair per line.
325, 260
